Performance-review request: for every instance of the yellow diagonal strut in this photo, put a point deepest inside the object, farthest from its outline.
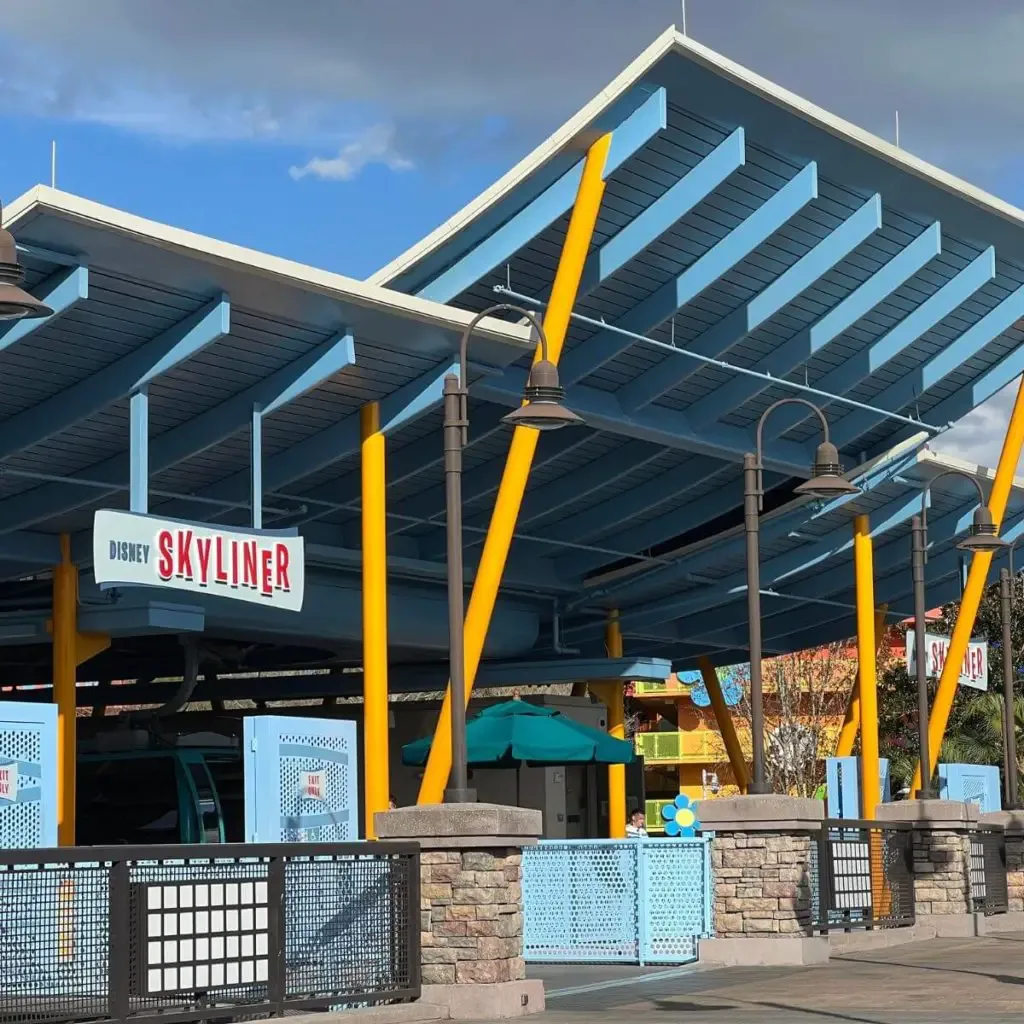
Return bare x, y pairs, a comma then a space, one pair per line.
1009, 457
518, 463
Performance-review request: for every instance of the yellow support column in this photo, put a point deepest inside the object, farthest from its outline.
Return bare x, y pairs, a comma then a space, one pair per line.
617, 728
870, 785
851, 723
725, 723
518, 462
977, 577
375, 616
65, 632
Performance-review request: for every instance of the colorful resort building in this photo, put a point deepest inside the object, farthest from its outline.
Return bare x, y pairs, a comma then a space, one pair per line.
676, 733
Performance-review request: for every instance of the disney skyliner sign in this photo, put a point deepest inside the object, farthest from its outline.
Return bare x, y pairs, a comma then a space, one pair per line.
264, 567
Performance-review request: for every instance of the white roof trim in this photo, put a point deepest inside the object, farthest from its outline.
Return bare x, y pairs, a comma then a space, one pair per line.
674, 41
42, 199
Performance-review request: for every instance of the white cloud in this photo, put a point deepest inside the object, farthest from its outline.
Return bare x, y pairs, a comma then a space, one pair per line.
978, 437
375, 146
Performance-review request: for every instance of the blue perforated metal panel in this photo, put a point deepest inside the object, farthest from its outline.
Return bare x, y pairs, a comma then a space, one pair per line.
675, 899
301, 780
972, 783
28, 775
843, 785
616, 901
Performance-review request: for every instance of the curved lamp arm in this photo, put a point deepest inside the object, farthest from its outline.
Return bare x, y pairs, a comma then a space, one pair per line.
501, 307
760, 435
928, 490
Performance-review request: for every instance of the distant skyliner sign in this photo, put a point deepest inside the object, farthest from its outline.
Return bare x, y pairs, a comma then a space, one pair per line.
260, 566
973, 671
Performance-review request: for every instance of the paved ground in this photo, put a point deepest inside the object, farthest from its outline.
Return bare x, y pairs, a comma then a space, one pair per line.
945, 981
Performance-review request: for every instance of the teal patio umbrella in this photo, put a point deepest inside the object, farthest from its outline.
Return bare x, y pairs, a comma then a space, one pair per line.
517, 732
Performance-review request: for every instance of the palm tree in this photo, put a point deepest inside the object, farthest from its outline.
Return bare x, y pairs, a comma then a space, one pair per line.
977, 735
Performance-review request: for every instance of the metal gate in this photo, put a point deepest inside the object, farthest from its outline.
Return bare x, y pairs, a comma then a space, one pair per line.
28, 775
301, 780
616, 901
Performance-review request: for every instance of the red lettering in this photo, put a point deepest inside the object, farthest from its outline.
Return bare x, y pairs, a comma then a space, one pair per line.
222, 576
203, 552
185, 554
234, 564
281, 552
165, 563
249, 564
266, 572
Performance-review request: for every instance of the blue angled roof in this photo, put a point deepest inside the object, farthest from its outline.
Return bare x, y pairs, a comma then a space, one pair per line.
739, 224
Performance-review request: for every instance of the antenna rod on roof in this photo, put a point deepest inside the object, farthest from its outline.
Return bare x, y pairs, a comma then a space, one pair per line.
897, 129
684, 16
53, 163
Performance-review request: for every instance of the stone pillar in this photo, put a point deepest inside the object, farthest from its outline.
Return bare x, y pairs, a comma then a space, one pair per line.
1012, 823
471, 905
942, 857
762, 862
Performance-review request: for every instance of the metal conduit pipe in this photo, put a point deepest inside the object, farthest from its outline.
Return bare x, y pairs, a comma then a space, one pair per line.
189, 681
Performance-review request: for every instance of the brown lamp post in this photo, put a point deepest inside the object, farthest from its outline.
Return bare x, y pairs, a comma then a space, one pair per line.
542, 409
981, 537
826, 481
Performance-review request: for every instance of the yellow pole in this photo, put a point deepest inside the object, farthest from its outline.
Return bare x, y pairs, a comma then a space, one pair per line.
725, 723
977, 577
851, 723
65, 609
375, 616
870, 785
616, 728
518, 462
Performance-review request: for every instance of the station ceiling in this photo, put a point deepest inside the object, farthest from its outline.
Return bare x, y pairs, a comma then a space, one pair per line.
740, 224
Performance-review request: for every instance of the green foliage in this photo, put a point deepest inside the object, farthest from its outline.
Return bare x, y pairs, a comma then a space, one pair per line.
974, 734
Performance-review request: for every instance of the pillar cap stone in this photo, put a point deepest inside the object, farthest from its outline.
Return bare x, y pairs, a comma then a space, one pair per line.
761, 812
930, 814
1011, 821
461, 825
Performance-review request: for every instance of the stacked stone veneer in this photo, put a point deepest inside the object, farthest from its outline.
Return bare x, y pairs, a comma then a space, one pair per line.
762, 884
471, 905
761, 856
942, 852
471, 917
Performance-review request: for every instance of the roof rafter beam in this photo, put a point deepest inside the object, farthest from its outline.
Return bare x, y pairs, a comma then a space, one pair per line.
338, 354
479, 484
547, 499
601, 411
773, 526
868, 360
61, 292
628, 137
165, 450
672, 296
792, 563
129, 373
666, 211
671, 523
409, 461
814, 264
912, 385
785, 358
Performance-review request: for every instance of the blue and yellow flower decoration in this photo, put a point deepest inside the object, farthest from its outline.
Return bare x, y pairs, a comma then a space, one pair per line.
680, 817
730, 680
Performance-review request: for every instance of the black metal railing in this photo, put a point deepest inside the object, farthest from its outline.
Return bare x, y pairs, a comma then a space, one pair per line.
987, 871
862, 876
183, 934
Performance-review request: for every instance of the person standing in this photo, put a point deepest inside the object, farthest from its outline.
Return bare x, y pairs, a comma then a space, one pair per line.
635, 827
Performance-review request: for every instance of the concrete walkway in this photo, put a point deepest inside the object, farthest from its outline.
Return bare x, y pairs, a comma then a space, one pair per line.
945, 981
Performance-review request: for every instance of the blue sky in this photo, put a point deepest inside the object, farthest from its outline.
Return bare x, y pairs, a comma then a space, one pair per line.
339, 132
